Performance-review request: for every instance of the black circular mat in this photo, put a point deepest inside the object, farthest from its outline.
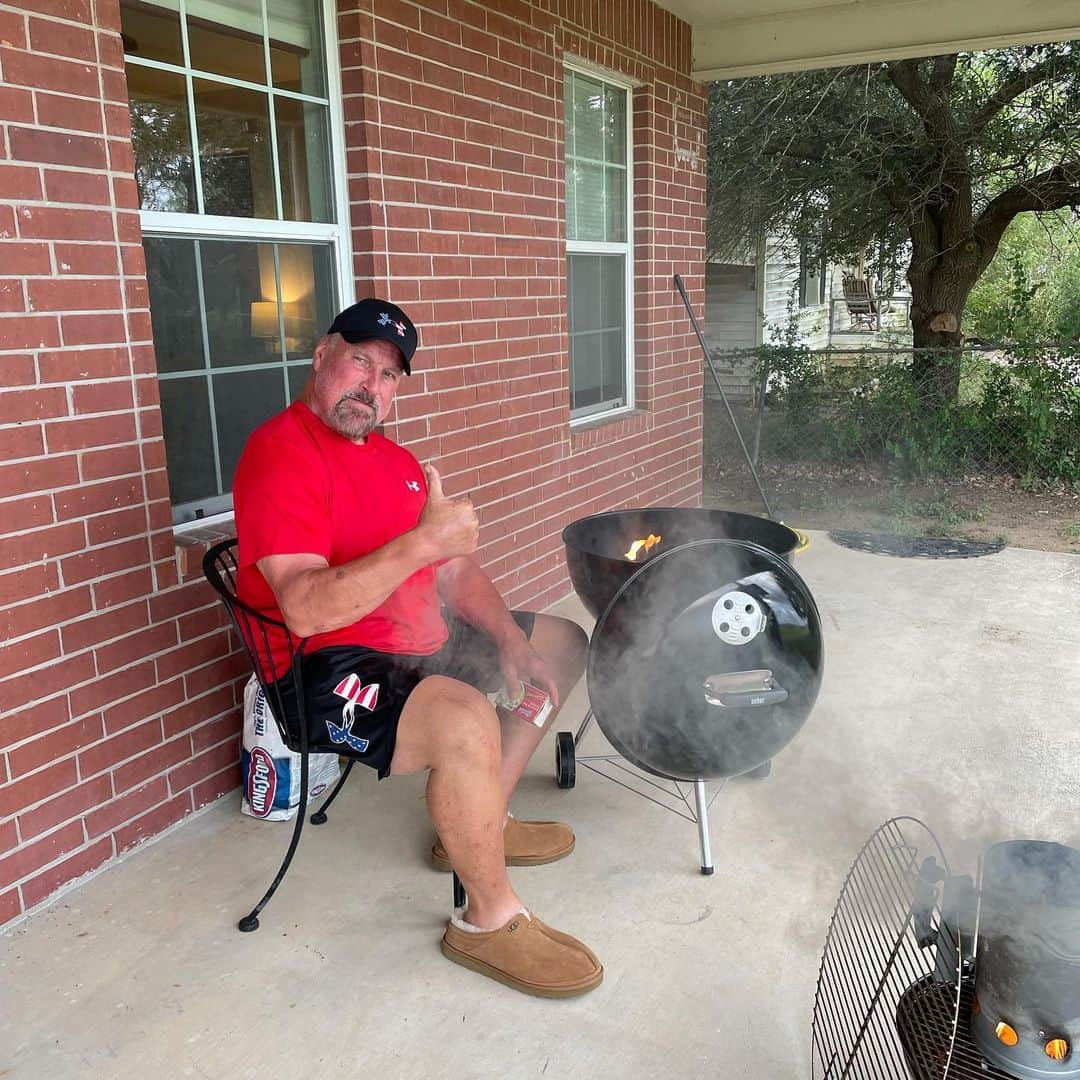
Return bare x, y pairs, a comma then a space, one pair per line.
914, 547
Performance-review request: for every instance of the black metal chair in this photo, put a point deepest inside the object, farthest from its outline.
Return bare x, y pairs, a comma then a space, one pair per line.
255, 630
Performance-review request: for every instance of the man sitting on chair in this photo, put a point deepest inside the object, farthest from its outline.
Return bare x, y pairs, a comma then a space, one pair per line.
345, 537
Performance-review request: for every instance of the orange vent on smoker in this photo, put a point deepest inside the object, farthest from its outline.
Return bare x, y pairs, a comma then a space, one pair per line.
642, 545
1058, 1049
1006, 1034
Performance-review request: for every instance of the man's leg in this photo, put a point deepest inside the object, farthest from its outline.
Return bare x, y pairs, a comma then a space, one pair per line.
564, 645
451, 729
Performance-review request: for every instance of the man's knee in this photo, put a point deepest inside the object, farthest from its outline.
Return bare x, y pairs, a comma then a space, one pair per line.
461, 721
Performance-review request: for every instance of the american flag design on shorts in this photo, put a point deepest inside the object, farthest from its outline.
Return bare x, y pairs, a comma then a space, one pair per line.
355, 693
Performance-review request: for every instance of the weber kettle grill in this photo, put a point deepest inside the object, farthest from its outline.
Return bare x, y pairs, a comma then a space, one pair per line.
706, 657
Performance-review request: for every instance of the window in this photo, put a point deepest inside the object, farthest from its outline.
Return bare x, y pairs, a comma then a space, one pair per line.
812, 278
599, 253
231, 113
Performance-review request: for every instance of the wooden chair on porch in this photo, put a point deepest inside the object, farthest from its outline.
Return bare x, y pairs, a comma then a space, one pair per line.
256, 630
862, 305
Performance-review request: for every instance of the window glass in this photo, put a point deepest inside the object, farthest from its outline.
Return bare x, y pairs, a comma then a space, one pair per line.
296, 46
174, 310
227, 39
161, 140
152, 31
185, 417
242, 401
596, 172
597, 319
304, 176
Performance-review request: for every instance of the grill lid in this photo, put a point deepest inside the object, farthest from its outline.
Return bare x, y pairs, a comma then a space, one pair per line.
707, 661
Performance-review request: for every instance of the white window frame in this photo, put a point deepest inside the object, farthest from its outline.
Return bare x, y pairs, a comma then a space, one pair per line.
592, 413
159, 224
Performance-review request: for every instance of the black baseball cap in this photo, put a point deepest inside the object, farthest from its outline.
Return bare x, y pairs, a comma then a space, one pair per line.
371, 318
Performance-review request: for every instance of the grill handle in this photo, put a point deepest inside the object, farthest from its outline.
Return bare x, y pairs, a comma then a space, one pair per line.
744, 689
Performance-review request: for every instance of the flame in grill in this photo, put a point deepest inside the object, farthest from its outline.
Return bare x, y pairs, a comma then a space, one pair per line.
1057, 1049
1006, 1033
645, 545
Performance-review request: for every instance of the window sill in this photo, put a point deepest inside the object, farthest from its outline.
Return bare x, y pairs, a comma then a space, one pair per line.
192, 544
608, 429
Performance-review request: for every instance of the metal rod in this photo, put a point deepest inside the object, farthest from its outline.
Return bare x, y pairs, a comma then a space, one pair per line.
703, 826
719, 386
584, 727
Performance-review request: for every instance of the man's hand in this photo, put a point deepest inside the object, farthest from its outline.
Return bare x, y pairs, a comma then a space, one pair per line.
451, 524
520, 662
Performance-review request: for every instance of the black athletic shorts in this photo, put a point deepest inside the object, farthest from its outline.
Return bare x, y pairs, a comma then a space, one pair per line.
353, 696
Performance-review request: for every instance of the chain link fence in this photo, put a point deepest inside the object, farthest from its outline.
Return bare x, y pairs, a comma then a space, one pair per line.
933, 441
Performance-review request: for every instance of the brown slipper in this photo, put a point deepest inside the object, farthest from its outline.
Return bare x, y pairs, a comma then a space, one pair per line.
526, 843
527, 955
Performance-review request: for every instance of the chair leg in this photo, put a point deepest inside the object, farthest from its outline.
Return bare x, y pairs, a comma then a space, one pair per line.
250, 921
459, 892
319, 817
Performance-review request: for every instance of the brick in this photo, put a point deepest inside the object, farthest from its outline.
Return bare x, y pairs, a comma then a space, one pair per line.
217, 731
72, 10
77, 187
89, 260
110, 463
20, 514
145, 705
31, 857
20, 794
41, 403
111, 814
102, 397
206, 678
59, 223
21, 442
50, 610
12, 295
95, 498
34, 721
28, 582
73, 42
29, 653
193, 655
12, 32
113, 526
46, 883
123, 587
102, 627
9, 835
29, 332
155, 761
18, 182
25, 259
80, 365
41, 474
56, 148
118, 748
154, 822
33, 547
104, 691
48, 73
65, 807
9, 906
63, 111
92, 329
178, 601
206, 791
94, 431
16, 105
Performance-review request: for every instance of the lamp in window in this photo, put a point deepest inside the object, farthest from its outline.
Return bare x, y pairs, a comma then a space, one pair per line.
264, 319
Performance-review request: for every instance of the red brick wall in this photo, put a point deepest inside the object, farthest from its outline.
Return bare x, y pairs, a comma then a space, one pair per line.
454, 121
118, 709
118, 686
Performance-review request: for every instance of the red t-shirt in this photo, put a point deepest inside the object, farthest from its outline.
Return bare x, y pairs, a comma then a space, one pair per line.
300, 487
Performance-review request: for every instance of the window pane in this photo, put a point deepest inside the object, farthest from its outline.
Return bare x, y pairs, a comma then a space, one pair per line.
303, 153
242, 401
588, 118
237, 274
234, 149
152, 31
227, 39
298, 375
614, 125
296, 46
590, 212
174, 303
615, 204
307, 295
597, 330
161, 139
185, 415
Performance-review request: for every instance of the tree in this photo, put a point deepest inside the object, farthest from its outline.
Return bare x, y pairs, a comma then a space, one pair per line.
937, 155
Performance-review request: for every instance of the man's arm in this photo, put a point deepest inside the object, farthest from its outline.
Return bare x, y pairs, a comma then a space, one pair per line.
469, 593
315, 597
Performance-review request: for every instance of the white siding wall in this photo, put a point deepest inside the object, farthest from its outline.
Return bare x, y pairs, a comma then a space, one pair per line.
782, 297
731, 318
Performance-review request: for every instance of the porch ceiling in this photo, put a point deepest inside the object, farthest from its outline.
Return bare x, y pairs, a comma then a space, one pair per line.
736, 38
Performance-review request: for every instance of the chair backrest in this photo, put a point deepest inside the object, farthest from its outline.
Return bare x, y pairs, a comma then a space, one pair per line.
256, 632
857, 294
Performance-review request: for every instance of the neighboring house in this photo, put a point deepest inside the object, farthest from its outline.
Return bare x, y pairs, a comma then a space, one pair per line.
756, 301
189, 190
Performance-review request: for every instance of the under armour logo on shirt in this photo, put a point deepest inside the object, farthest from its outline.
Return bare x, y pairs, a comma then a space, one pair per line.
413, 485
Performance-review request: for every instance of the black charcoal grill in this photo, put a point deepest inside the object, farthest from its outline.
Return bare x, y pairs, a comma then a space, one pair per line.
706, 656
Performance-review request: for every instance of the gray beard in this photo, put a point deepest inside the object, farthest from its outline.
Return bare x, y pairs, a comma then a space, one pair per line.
351, 422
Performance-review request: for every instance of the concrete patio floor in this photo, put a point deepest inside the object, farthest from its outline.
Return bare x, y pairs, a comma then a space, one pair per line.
951, 692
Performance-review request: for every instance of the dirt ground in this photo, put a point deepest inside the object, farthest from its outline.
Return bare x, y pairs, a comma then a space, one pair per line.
813, 496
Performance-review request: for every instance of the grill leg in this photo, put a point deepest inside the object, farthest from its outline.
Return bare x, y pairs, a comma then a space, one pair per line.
319, 817
703, 826
581, 730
